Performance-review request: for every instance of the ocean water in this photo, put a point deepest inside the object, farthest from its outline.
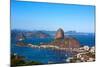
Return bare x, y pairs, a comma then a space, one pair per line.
46, 56
88, 40
40, 55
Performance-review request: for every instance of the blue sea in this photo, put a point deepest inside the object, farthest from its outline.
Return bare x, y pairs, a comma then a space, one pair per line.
46, 56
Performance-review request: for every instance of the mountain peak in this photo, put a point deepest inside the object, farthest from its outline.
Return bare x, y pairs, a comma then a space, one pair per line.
59, 34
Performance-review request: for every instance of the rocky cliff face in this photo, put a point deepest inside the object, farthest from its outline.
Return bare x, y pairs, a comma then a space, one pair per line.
59, 34
72, 42
65, 42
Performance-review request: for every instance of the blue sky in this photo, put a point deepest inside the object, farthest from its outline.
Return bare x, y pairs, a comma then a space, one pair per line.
46, 16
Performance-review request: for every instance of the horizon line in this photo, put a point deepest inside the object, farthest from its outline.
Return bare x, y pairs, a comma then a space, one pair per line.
53, 30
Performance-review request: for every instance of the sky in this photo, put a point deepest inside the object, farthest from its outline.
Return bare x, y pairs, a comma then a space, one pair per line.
50, 16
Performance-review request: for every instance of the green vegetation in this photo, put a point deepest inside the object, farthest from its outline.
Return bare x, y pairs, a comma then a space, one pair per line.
20, 61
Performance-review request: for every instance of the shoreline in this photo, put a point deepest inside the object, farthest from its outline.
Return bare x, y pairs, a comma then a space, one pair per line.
53, 47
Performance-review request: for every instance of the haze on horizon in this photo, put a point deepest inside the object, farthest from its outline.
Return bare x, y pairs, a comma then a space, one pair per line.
50, 17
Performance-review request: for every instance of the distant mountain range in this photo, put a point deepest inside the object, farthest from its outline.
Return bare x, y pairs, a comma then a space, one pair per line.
52, 33
41, 33
21, 34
